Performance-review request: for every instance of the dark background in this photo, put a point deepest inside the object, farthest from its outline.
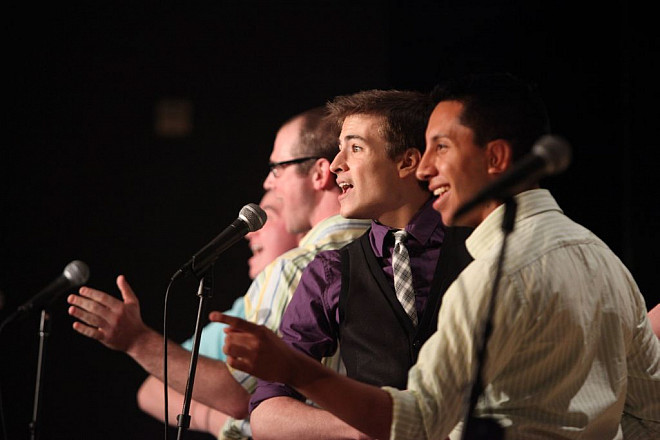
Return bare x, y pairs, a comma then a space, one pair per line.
86, 176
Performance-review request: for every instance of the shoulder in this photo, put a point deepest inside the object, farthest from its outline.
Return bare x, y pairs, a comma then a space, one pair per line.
325, 265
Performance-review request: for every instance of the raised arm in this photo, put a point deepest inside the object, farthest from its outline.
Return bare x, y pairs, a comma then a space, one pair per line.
117, 324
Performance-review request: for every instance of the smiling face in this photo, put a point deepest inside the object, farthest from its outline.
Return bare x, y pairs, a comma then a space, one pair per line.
454, 167
272, 240
368, 177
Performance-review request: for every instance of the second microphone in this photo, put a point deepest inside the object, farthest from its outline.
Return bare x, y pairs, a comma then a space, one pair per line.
251, 218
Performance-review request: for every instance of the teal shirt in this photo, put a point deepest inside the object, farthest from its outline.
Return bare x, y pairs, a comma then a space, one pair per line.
213, 335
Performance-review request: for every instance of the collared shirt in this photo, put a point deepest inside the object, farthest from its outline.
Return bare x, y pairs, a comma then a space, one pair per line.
271, 291
571, 347
311, 321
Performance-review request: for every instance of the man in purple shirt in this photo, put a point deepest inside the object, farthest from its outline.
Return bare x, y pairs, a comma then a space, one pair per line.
348, 295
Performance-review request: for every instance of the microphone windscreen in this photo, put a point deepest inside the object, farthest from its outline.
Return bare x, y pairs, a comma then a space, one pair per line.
77, 272
555, 152
253, 215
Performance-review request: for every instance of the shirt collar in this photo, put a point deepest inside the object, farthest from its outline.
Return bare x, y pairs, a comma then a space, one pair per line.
421, 227
489, 232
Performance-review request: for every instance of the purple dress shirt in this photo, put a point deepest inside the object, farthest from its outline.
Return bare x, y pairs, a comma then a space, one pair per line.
311, 320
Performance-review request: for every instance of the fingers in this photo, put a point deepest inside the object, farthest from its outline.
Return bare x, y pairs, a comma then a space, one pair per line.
87, 309
233, 322
240, 345
240, 364
99, 297
218, 317
126, 290
78, 311
88, 331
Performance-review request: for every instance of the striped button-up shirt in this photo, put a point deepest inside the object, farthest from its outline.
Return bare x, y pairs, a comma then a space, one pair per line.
571, 352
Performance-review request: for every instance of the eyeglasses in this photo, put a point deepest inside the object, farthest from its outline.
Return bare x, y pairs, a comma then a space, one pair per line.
275, 167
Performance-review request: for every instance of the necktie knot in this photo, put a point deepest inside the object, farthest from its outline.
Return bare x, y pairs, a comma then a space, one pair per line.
400, 236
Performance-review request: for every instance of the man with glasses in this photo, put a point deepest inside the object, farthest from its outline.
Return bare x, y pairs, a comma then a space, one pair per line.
303, 150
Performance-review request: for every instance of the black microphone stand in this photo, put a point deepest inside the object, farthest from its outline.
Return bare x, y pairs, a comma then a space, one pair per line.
44, 332
487, 428
204, 292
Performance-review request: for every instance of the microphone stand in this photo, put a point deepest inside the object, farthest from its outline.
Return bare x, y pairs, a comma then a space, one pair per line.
204, 292
487, 428
44, 332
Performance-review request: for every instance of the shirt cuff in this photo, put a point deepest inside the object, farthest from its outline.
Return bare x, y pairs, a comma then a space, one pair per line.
407, 421
266, 390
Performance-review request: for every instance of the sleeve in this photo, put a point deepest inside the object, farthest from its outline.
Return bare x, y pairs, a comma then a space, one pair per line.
266, 300
309, 323
643, 393
213, 335
271, 291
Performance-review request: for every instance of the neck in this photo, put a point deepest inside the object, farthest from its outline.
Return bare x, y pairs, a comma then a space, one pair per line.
327, 205
409, 205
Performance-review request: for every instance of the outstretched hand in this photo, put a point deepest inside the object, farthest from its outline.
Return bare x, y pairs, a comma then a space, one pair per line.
258, 351
115, 323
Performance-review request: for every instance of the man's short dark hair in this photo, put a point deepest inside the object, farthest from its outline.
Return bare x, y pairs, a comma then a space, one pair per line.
405, 115
498, 106
318, 137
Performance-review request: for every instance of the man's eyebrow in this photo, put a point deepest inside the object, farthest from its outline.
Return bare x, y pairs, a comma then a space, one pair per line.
349, 137
437, 136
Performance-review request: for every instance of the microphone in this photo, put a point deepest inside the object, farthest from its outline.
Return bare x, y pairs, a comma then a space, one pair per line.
251, 218
75, 274
550, 155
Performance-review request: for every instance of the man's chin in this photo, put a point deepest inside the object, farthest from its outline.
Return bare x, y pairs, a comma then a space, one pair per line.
352, 213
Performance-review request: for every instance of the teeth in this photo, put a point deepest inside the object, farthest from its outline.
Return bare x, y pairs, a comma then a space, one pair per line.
440, 191
256, 248
344, 186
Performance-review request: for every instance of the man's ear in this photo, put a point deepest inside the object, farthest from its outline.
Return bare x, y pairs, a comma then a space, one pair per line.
409, 161
322, 177
499, 154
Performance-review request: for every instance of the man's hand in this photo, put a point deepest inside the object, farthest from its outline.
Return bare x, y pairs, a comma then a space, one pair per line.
257, 350
115, 323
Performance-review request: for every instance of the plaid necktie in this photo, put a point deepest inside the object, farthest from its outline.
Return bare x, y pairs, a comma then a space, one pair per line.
403, 286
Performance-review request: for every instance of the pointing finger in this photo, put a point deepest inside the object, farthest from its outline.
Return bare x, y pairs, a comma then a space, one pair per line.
233, 322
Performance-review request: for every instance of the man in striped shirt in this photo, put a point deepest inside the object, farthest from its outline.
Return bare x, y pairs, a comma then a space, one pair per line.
267, 243
300, 176
571, 353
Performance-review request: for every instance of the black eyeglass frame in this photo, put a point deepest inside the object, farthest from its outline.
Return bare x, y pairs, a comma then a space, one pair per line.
273, 166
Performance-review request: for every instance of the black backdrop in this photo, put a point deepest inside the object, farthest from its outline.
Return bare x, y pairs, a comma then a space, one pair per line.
86, 176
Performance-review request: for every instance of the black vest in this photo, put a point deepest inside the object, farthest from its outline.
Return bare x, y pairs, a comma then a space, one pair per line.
378, 342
